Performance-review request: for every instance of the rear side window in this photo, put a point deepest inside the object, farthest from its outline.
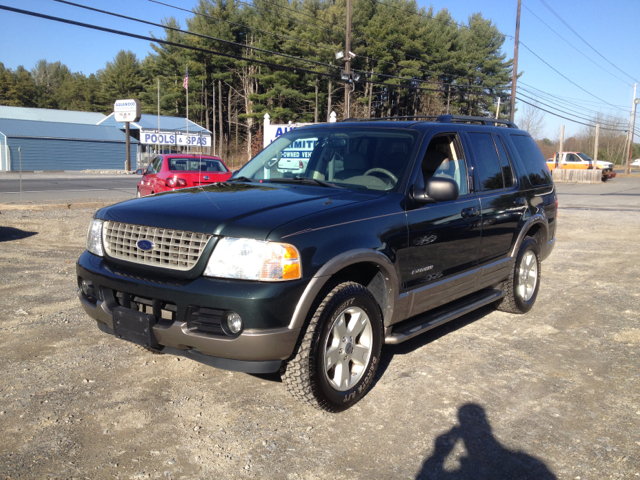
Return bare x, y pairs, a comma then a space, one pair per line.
507, 173
488, 163
534, 163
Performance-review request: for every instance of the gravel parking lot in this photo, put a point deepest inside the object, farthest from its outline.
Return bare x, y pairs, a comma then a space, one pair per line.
552, 394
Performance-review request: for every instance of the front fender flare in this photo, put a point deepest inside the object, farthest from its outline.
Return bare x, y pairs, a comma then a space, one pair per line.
336, 264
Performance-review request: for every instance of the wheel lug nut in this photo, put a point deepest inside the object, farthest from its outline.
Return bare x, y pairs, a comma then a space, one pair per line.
341, 351
344, 339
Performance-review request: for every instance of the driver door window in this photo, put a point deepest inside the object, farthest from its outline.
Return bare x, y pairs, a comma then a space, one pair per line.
443, 159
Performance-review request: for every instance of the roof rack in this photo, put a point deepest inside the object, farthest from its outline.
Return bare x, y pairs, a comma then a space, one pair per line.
492, 122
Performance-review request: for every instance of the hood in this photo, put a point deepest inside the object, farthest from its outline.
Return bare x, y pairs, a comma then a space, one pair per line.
602, 163
231, 209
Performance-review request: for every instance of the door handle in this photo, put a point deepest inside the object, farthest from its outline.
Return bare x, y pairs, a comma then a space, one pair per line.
470, 212
520, 201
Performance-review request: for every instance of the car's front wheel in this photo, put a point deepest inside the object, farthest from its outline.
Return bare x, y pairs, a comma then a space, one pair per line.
339, 353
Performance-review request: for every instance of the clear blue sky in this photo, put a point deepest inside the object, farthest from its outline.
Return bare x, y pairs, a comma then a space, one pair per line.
612, 28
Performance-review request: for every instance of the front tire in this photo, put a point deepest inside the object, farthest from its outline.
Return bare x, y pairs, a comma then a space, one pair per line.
338, 356
521, 288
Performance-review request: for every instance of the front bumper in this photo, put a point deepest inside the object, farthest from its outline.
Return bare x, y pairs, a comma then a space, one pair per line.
266, 308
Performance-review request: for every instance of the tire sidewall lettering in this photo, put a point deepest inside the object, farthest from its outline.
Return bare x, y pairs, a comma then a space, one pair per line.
351, 396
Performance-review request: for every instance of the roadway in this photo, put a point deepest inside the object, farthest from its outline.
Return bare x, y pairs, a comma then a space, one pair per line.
49, 187
618, 193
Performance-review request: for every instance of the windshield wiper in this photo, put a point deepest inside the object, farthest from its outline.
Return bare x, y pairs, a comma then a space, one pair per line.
309, 181
241, 179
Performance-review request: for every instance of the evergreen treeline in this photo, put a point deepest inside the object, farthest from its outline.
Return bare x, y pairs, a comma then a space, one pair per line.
464, 65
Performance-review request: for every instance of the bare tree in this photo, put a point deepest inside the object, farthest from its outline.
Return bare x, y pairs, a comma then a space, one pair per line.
532, 120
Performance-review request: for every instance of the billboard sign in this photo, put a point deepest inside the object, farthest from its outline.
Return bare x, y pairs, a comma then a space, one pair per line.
152, 137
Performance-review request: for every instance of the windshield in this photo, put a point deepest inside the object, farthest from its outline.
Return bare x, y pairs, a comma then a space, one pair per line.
585, 157
357, 158
190, 164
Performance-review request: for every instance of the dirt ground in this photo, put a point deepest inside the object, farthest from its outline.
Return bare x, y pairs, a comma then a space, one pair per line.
551, 394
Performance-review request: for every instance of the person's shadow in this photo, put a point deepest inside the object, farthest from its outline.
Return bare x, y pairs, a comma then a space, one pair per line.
485, 458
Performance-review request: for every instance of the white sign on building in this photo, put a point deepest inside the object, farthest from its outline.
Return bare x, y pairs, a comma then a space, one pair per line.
271, 132
129, 110
152, 137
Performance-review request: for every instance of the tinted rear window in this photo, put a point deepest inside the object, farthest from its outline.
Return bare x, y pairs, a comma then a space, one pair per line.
196, 165
534, 163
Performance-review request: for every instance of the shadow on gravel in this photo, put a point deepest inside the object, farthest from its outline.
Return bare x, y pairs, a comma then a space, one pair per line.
8, 234
389, 351
485, 457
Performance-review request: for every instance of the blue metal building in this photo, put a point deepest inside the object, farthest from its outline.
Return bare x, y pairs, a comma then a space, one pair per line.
47, 145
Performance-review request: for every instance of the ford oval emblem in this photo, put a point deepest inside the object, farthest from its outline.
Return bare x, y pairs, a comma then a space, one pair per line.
206, 177
145, 245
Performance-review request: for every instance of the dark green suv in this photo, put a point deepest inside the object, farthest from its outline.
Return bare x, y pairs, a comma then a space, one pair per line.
393, 228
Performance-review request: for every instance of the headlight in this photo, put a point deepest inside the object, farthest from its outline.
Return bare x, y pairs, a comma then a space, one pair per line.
254, 260
94, 238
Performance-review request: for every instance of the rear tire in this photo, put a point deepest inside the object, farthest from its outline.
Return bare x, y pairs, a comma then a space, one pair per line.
339, 353
522, 285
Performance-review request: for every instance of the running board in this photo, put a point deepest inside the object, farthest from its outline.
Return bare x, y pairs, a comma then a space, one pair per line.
411, 328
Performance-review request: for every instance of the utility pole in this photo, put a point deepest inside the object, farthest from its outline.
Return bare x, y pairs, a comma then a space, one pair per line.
514, 78
633, 127
629, 152
595, 153
347, 61
561, 139
213, 107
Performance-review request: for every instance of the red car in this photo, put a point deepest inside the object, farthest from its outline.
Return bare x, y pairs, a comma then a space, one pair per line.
171, 172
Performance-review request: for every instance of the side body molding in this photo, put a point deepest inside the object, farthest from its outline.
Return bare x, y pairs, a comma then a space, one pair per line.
334, 266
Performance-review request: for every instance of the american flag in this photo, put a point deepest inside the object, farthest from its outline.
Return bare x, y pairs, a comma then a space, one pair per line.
185, 83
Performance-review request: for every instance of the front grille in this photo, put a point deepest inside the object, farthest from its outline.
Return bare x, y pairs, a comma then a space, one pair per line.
172, 249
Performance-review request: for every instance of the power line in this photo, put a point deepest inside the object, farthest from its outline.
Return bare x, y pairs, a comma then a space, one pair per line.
576, 48
589, 45
243, 26
325, 48
604, 119
566, 118
564, 76
211, 52
363, 72
229, 42
291, 18
576, 115
592, 102
569, 104
163, 42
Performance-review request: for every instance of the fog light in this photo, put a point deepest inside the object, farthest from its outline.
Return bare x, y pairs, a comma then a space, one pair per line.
234, 322
87, 287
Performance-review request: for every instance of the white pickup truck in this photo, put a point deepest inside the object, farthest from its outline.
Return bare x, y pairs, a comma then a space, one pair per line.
580, 161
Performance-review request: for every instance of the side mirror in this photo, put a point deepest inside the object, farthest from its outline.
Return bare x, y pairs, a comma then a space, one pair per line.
140, 171
436, 189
